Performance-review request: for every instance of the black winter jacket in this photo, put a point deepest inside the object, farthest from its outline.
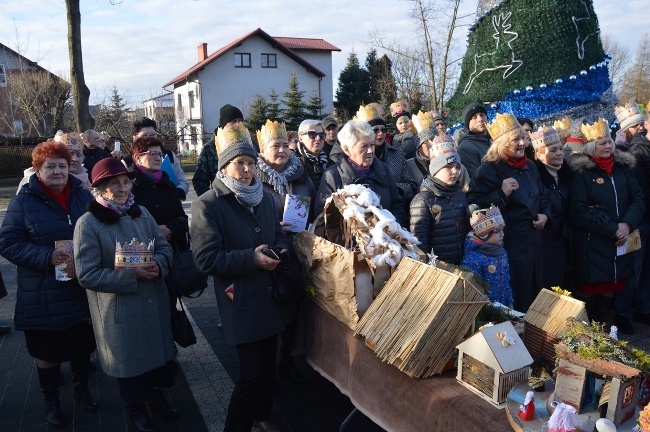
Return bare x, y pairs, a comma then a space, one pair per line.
31, 226
399, 171
640, 148
558, 197
406, 142
471, 149
92, 156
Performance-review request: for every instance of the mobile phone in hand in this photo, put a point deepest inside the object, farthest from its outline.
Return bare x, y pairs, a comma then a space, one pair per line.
270, 253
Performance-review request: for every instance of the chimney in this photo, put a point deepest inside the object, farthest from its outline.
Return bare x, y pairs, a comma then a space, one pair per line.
203, 51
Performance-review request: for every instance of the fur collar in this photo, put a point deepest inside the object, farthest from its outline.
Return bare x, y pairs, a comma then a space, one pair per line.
563, 174
109, 216
583, 162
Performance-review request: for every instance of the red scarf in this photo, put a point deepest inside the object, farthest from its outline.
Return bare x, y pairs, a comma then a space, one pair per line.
60, 198
606, 164
519, 164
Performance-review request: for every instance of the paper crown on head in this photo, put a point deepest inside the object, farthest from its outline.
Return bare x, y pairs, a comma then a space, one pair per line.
503, 123
628, 115
370, 112
600, 129
562, 125
544, 137
73, 140
399, 108
441, 144
270, 131
233, 140
485, 221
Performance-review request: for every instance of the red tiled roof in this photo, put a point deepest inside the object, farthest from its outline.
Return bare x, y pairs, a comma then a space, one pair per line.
258, 32
306, 43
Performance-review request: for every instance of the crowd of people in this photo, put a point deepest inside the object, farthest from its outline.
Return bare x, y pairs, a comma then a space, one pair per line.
522, 208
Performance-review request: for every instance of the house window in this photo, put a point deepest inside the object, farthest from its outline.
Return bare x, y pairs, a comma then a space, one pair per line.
193, 136
3, 77
269, 61
242, 60
180, 102
18, 126
191, 98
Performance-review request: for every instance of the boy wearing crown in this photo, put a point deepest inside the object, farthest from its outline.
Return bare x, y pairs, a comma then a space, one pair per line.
486, 256
403, 139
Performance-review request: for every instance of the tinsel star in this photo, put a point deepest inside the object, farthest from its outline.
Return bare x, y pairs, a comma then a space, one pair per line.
432, 258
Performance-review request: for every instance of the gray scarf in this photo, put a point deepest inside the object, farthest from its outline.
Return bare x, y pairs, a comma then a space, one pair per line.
250, 196
279, 180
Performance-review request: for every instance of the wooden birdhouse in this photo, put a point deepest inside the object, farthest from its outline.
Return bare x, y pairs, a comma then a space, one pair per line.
490, 364
420, 316
546, 320
571, 383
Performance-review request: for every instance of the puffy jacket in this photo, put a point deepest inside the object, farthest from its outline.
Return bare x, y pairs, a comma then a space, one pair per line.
31, 226
597, 204
440, 221
471, 149
494, 269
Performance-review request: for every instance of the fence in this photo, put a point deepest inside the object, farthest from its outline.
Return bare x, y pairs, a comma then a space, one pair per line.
14, 159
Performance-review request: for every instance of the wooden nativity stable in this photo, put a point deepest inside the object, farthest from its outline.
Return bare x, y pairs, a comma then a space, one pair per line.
489, 368
546, 320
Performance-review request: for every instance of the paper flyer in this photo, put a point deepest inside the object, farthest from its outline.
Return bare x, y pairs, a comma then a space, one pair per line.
65, 271
296, 211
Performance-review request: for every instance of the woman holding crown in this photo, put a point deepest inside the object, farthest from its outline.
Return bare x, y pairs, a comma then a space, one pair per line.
509, 181
605, 204
122, 258
235, 231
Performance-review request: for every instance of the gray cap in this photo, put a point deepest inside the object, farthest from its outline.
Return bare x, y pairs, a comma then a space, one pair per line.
328, 121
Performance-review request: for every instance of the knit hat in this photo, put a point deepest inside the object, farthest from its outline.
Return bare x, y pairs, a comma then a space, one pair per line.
424, 123
229, 113
108, 168
399, 109
232, 141
544, 137
270, 131
442, 153
629, 115
470, 110
328, 121
485, 221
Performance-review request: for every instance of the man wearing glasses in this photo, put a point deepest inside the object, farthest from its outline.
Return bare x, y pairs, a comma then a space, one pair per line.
331, 129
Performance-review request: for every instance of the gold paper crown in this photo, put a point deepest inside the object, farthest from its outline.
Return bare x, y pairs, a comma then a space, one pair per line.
270, 131
600, 129
544, 137
398, 107
441, 144
370, 112
73, 140
624, 112
485, 221
562, 125
502, 124
423, 120
232, 134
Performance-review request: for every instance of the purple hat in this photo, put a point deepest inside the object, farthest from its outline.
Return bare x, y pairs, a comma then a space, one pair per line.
108, 168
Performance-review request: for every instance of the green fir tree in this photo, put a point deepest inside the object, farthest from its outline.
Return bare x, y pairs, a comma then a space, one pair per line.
353, 89
315, 106
273, 108
257, 114
294, 111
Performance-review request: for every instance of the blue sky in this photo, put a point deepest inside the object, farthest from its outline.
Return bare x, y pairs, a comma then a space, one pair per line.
141, 44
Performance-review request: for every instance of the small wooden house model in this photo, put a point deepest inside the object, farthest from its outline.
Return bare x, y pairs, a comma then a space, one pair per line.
420, 316
490, 367
546, 320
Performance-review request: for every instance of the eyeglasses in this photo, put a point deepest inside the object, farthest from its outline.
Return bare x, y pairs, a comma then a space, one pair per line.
153, 153
243, 163
379, 130
313, 134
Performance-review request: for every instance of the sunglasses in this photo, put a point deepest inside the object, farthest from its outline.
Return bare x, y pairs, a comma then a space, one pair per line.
152, 153
313, 134
379, 130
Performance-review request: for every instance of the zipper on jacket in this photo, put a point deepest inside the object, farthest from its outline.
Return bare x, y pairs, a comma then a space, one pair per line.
617, 217
69, 220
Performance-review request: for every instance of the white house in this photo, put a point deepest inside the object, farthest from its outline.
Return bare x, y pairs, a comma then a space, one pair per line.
161, 109
256, 63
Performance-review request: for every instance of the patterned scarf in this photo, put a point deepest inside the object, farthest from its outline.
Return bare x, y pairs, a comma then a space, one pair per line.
250, 196
321, 159
120, 209
279, 180
154, 176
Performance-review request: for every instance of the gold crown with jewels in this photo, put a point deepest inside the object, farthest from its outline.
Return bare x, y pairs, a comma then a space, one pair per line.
232, 134
544, 137
600, 129
369, 112
441, 144
398, 107
485, 221
502, 124
270, 131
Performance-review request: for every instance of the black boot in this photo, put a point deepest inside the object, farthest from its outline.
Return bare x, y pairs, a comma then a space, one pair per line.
49, 381
82, 396
140, 418
601, 308
161, 402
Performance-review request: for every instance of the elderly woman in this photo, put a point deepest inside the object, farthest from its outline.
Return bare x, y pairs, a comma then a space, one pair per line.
52, 311
129, 304
511, 182
154, 190
605, 205
232, 231
555, 174
361, 167
310, 149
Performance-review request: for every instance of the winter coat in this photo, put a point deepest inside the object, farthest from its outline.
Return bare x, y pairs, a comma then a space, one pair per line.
494, 270
440, 221
91, 157
335, 154
399, 171
419, 166
597, 204
224, 236
520, 209
162, 201
206, 168
472, 149
31, 226
314, 170
327, 148
131, 317
640, 148
406, 142
378, 179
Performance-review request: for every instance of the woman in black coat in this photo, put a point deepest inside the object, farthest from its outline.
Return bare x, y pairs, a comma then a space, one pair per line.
231, 228
606, 205
510, 181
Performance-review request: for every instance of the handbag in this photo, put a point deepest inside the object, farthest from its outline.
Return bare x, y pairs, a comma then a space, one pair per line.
186, 279
181, 326
288, 279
